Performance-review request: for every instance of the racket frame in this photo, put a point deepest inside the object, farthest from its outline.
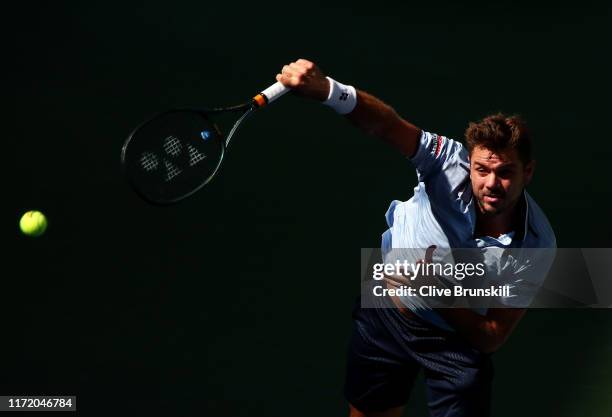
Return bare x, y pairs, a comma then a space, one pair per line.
258, 101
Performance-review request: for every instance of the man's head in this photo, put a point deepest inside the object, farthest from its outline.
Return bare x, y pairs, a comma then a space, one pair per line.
501, 163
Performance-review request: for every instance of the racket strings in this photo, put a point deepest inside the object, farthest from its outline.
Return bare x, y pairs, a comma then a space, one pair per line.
171, 170
172, 151
194, 155
173, 146
148, 161
173, 155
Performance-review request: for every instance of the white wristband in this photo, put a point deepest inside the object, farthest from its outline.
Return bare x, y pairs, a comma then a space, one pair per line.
342, 98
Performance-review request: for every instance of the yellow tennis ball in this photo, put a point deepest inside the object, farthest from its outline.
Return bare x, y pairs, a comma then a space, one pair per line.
33, 223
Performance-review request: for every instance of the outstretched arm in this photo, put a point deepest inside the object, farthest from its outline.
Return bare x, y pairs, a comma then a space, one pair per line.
370, 114
486, 333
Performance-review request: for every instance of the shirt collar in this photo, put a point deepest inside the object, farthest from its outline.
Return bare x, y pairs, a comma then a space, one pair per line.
512, 236
526, 215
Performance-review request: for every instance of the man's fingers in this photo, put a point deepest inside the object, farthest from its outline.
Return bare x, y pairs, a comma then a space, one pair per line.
429, 253
305, 79
305, 63
284, 80
397, 279
287, 72
298, 73
289, 77
297, 68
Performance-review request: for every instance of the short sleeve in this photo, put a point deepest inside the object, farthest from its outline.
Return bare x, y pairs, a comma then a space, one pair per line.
443, 166
436, 153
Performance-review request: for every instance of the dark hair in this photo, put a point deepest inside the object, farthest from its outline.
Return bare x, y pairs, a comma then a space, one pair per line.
500, 132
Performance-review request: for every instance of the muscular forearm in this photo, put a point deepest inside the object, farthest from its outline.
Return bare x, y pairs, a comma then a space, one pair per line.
369, 114
376, 118
485, 333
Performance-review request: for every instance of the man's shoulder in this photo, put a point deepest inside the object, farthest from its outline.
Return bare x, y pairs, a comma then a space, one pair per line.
437, 153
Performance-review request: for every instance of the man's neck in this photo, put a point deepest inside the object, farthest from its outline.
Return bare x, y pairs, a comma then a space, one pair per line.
498, 224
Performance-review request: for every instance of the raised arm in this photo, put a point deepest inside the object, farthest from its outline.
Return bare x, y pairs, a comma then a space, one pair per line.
370, 114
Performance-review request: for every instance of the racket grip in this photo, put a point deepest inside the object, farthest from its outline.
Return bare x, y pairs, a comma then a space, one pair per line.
270, 94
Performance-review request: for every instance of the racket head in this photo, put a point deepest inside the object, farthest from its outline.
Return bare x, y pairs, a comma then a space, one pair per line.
172, 155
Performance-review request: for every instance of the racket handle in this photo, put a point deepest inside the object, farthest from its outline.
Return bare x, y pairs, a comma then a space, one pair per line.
270, 94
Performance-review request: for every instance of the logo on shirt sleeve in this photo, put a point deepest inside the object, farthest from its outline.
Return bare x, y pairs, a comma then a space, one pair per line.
439, 140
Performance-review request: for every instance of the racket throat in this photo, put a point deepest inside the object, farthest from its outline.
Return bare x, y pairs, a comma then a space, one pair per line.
260, 100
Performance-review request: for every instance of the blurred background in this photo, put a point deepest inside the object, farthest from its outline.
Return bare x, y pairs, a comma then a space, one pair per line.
238, 301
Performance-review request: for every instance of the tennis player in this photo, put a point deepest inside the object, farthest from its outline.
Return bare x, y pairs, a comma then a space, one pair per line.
467, 197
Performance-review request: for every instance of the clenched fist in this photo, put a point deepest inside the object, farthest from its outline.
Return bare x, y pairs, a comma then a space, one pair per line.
306, 79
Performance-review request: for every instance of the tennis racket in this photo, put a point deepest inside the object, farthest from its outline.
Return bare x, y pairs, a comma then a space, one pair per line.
175, 153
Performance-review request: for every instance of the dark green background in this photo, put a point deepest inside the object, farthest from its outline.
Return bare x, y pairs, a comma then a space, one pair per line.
237, 302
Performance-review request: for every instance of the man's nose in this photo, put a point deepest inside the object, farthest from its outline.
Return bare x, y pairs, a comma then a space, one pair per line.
492, 181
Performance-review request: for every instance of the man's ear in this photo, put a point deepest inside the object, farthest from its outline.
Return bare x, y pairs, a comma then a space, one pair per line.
529, 170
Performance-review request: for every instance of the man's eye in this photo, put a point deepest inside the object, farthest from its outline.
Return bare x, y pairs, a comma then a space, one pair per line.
480, 169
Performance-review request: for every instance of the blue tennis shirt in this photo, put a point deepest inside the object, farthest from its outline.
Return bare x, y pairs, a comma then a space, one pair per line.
442, 212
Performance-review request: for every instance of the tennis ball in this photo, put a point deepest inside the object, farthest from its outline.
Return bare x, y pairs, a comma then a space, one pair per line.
33, 223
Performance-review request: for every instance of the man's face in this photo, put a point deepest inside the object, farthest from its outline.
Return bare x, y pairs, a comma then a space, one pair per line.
498, 179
